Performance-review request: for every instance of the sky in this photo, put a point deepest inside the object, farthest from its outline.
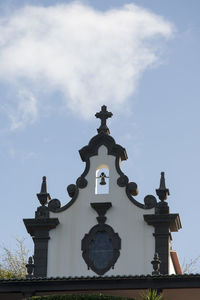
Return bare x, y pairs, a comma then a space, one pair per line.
59, 62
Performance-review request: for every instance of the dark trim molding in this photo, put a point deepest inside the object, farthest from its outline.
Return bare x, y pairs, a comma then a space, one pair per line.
39, 230
123, 181
102, 139
164, 224
99, 283
116, 243
55, 209
92, 150
101, 209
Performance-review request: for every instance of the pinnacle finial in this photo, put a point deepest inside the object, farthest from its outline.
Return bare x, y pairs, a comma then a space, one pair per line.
156, 264
44, 185
43, 196
30, 267
103, 115
162, 181
162, 192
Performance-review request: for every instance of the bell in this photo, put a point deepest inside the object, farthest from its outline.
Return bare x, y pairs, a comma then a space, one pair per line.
102, 176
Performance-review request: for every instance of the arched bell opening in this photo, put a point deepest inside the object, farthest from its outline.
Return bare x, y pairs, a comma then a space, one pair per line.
102, 180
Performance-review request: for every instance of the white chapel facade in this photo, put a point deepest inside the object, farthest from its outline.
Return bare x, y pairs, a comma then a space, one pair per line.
103, 230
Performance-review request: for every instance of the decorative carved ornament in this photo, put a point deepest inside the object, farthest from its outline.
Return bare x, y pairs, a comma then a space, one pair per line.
101, 246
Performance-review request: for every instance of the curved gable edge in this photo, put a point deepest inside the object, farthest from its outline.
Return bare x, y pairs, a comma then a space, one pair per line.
102, 139
92, 150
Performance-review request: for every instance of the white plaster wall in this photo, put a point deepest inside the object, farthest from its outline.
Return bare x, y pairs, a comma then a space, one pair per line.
137, 241
171, 267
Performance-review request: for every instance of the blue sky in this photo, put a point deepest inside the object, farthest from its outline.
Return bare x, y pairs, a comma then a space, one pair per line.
60, 62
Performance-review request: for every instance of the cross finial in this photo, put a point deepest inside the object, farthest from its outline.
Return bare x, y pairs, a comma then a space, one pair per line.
103, 115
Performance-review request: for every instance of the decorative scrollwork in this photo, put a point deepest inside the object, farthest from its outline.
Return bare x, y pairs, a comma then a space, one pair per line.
150, 201
132, 188
122, 180
81, 182
54, 204
71, 189
101, 246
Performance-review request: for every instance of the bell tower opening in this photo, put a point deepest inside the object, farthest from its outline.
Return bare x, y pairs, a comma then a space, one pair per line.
102, 180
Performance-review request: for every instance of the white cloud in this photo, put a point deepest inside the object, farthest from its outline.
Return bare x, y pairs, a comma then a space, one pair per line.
91, 57
24, 110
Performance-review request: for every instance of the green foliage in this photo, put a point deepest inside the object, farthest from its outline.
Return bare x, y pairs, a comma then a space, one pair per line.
152, 295
13, 263
77, 297
6, 274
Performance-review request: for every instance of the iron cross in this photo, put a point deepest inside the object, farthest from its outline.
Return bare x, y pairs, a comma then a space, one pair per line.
103, 115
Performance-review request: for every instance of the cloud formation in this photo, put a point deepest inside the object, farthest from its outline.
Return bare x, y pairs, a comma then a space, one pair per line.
88, 56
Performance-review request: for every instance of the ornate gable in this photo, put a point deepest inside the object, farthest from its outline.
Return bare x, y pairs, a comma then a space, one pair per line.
103, 229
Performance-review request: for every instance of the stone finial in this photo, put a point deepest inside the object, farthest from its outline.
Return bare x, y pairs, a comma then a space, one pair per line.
30, 267
162, 192
103, 115
156, 264
43, 196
